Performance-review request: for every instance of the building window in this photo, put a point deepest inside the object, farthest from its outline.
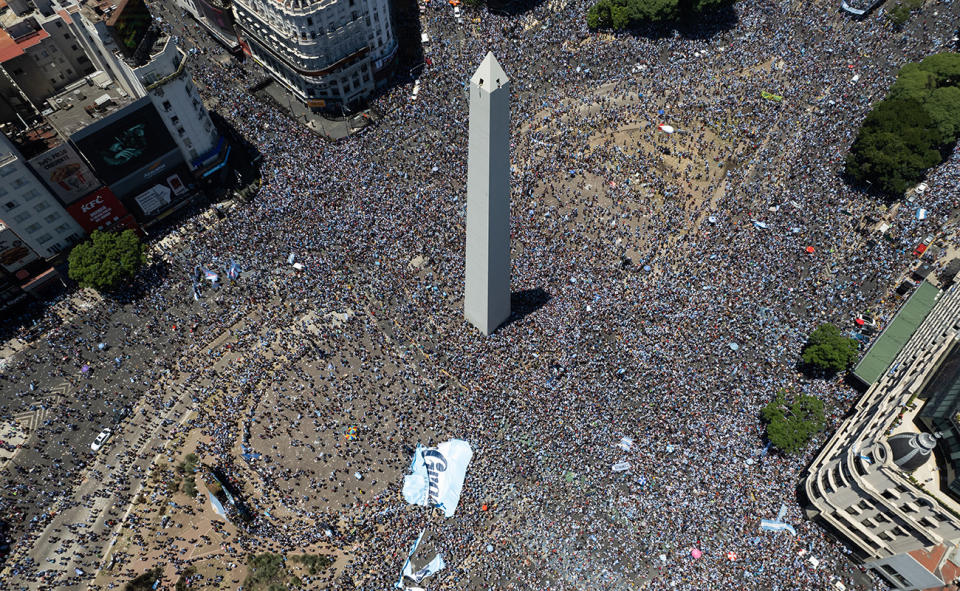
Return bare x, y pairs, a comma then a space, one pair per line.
50, 218
45, 238
17, 183
32, 228
31, 194
74, 47
62, 228
41, 206
167, 106
180, 131
22, 217
175, 120
82, 59
9, 205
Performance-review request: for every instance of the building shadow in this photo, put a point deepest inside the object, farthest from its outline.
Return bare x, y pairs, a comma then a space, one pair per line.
526, 302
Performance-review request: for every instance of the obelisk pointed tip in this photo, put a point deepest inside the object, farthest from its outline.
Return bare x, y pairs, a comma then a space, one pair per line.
490, 76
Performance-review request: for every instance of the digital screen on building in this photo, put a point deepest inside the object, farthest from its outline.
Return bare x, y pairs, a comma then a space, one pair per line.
65, 173
129, 24
125, 143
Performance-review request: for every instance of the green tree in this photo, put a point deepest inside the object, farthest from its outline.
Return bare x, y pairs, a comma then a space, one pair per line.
107, 260
943, 106
622, 14
945, 66
791, 426
913, 82
829, 350
897, 143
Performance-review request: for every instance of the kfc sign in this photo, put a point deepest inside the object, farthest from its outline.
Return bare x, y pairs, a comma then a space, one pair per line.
98, 211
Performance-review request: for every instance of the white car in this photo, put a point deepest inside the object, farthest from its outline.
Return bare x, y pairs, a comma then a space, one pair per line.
101, 439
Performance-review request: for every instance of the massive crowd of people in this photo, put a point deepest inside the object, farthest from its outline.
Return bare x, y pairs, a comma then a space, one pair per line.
663, 285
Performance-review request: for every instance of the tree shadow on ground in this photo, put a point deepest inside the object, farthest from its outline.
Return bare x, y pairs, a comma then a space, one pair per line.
147, 281
513, 7
705, 25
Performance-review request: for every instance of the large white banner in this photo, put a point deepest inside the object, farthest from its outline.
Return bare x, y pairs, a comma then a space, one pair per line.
433, 567
436, 475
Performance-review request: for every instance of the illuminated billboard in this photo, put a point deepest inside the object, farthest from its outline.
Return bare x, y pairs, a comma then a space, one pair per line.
65, 173
125, 142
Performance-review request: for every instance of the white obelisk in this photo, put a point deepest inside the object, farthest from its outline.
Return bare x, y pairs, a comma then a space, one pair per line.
486, 301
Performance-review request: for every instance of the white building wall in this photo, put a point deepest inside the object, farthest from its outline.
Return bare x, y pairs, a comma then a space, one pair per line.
167, 81
313, 36
28, 208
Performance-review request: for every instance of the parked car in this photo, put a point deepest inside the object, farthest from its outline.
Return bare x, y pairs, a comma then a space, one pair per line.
101, 439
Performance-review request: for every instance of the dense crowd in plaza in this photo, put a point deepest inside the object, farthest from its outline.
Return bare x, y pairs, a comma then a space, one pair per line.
677, 349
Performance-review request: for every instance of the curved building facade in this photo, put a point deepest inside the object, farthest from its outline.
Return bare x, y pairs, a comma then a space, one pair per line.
328, 53
881, 483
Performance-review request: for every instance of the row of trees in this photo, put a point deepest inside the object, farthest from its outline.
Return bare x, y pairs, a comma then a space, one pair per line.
912, 129
792, 423
623, 14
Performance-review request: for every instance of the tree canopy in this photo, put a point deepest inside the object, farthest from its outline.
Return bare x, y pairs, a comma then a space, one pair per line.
829, 350
107, 260
910, 130
622, 14
791, 426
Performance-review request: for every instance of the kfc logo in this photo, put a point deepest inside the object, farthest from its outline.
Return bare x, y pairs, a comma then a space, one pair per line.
86, 207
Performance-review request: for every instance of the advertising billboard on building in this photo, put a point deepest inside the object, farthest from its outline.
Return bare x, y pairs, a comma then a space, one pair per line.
65, 173
219, 16
120, 145
98, 210
14, 254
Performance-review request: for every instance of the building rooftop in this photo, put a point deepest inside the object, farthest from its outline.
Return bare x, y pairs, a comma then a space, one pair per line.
19, 35
889, 344
35, 140
82, 104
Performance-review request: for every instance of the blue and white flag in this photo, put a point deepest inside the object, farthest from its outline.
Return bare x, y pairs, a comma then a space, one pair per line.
406, 565
434, 566
776, 526
233, 271
210, 276
217, 506
437, 474
196, 291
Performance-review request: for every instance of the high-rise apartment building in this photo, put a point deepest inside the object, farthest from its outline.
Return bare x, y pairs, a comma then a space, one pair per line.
29, 209
328, 53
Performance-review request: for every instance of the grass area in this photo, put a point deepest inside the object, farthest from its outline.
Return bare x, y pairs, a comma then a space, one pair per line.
314, 563
269, 572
